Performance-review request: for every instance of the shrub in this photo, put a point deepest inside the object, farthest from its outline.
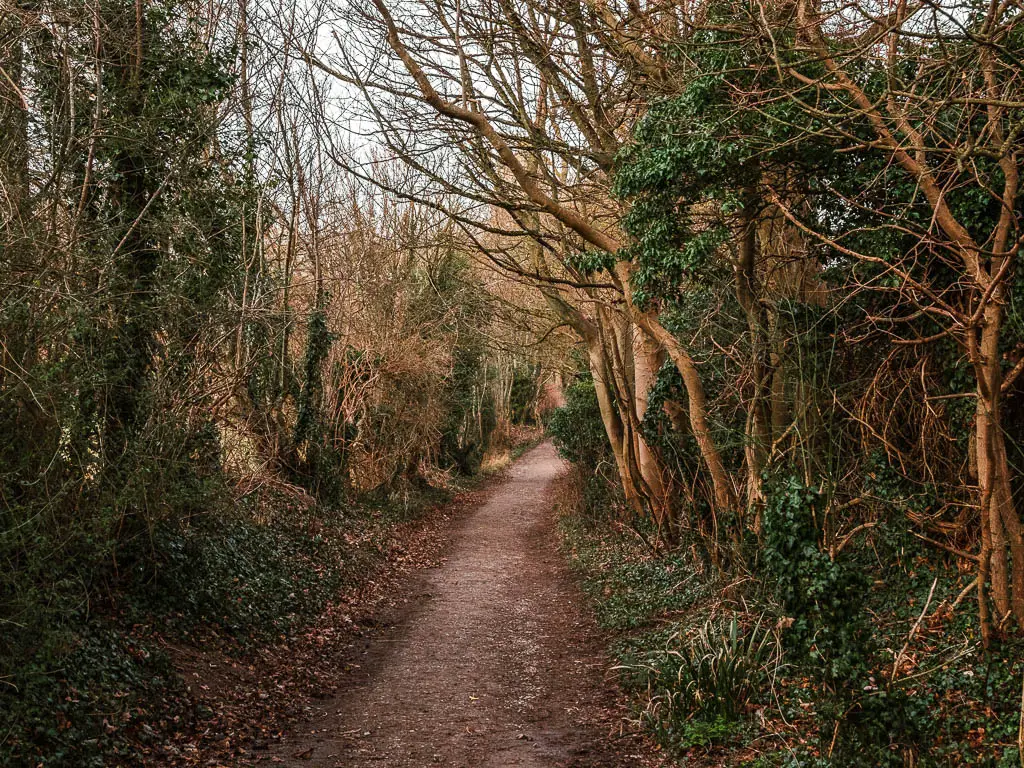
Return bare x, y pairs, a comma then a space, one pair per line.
577, 429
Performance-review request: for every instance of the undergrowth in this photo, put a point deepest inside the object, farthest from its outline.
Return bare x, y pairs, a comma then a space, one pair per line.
97, 686
814, 665
693, 664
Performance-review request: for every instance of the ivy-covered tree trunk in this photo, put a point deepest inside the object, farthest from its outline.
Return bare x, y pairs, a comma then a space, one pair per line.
134, 187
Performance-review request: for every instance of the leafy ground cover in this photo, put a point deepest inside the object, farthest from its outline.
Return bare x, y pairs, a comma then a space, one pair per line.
107, 686
802, 670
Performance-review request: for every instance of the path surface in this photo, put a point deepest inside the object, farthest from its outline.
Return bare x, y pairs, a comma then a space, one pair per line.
494, 663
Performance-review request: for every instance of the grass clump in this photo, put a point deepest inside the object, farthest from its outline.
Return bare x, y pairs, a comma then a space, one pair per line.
697, 687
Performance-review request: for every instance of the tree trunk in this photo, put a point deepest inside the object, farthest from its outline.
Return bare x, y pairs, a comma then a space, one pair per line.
1002, 532
646, 362
601, 371
724, 495
757, 437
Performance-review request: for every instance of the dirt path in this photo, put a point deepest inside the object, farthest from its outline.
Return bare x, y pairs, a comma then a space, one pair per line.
493, 664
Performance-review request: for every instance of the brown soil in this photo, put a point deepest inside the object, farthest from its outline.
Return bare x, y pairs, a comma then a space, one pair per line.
491, 661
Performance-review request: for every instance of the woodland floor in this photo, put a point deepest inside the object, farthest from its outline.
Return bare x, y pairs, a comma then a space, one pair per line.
485, 656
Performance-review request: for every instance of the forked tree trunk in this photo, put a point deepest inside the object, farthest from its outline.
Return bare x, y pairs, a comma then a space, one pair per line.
724, 495
617, 331
592, 333
600, 369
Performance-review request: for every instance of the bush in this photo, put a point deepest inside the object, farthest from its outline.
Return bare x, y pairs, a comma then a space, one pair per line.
577, 429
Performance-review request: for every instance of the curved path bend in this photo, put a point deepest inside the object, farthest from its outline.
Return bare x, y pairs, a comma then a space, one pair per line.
495, 663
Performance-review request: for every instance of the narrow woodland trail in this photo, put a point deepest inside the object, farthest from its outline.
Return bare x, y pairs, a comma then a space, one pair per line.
494, 664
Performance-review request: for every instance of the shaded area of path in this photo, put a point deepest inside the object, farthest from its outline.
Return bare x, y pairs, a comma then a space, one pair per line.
494, 664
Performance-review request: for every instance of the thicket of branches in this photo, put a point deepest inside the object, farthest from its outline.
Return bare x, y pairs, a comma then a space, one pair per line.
792, 227
199, 304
